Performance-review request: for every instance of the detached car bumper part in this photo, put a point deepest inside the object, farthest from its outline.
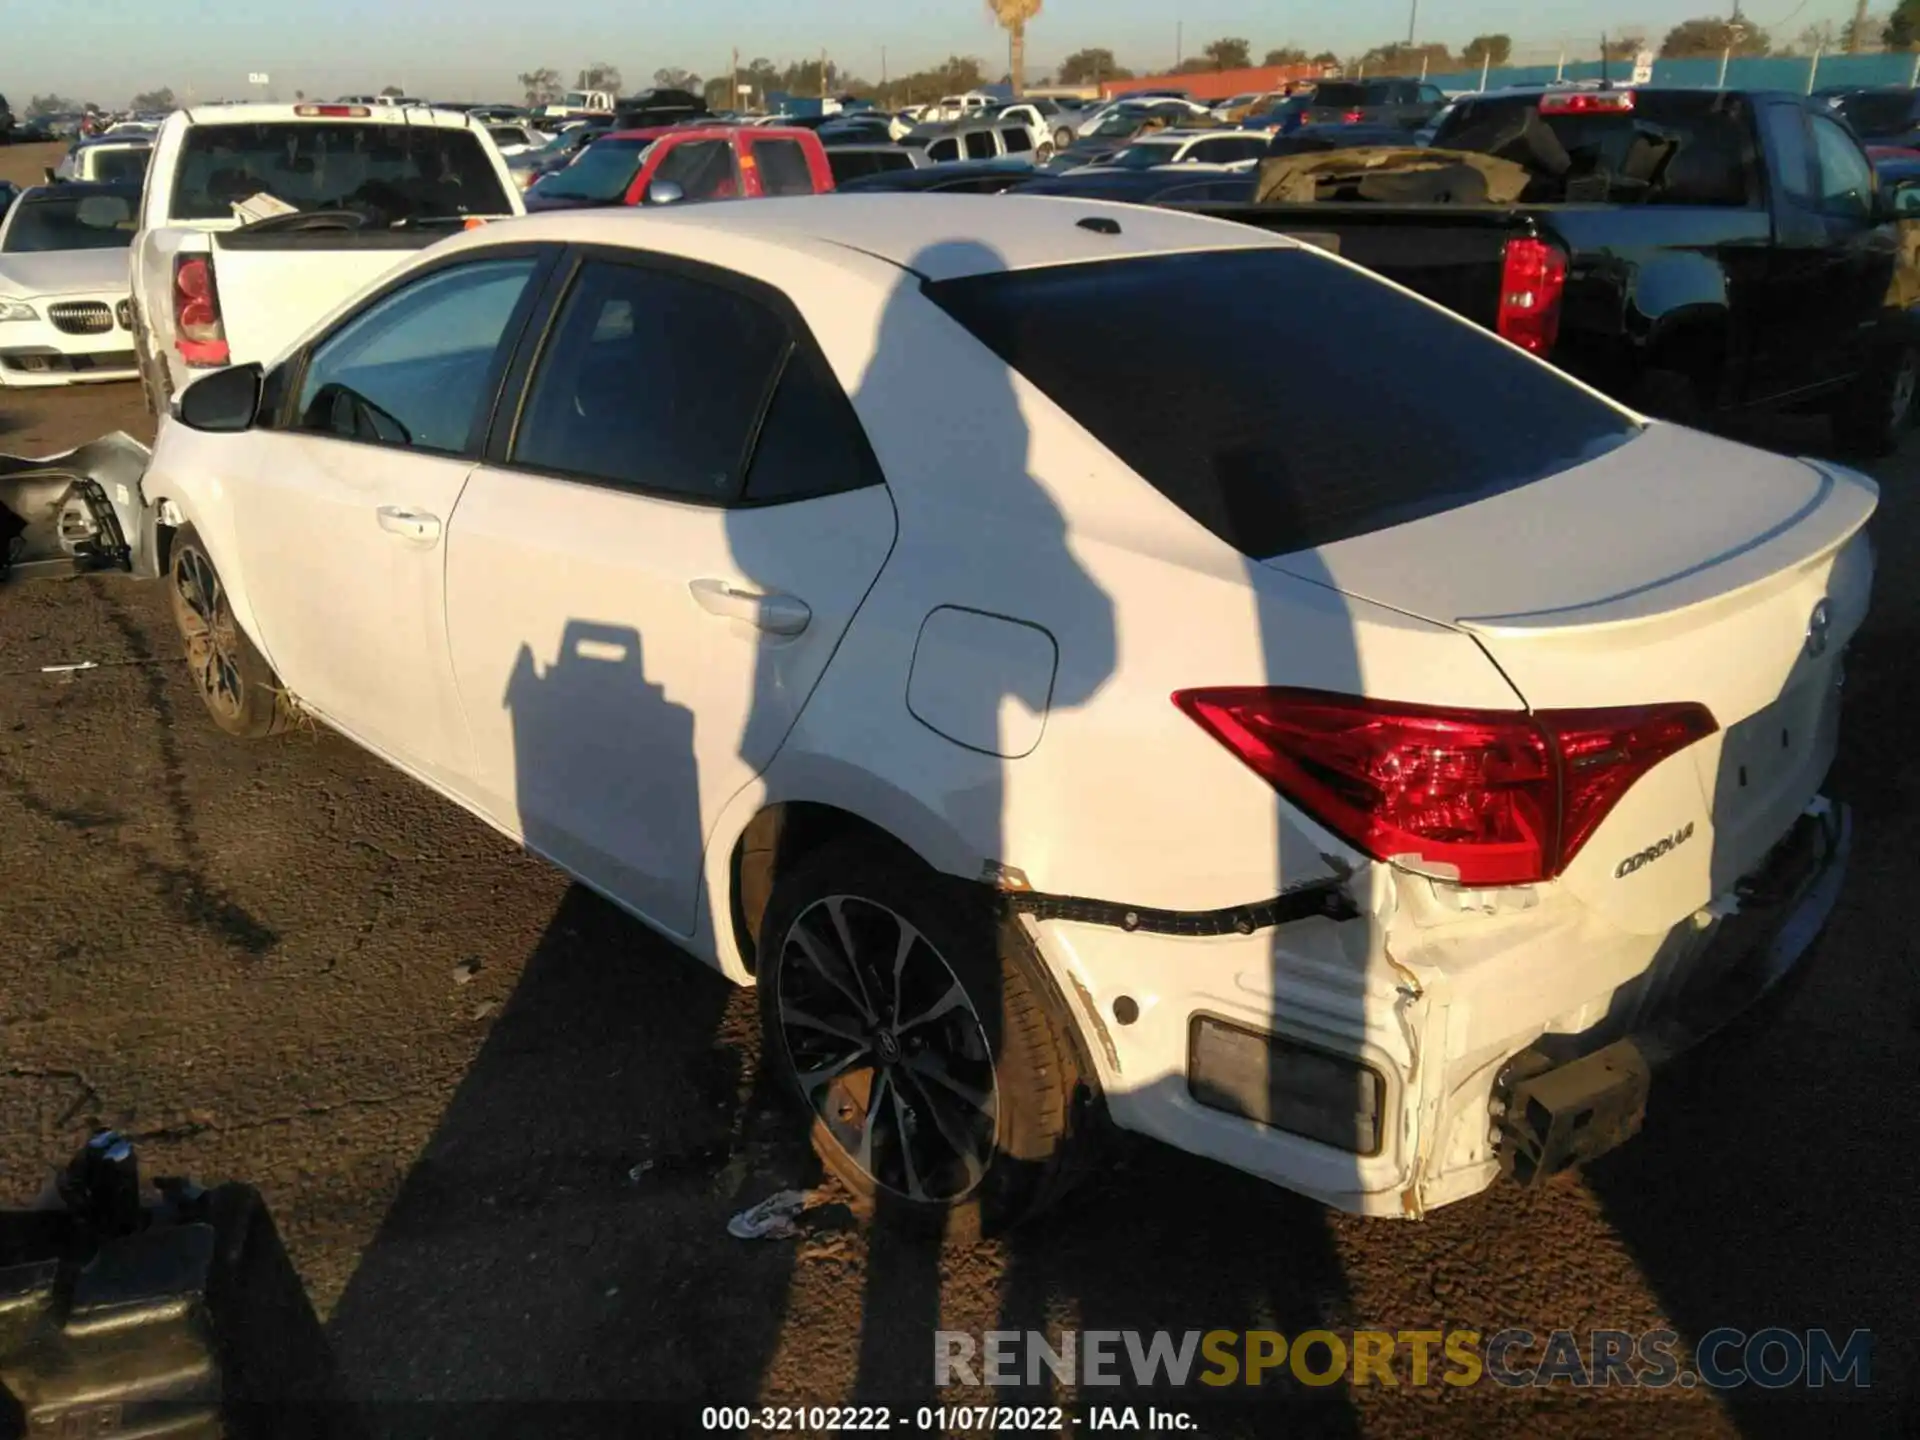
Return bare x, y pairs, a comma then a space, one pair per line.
76, 511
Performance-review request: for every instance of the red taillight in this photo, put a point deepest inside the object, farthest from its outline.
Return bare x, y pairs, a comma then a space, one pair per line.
1532, 278
1491, 797
1586, 102
334, 112
1352, 117
200, 335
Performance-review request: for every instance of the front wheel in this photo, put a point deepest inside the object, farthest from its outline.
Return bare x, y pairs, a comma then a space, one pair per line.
916, 1027
1877, 413
233, 679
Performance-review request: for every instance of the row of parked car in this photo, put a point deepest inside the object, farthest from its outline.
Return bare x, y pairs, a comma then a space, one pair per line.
1360, 765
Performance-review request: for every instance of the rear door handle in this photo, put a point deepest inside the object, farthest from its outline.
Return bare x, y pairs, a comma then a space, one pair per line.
776, 614
409, 524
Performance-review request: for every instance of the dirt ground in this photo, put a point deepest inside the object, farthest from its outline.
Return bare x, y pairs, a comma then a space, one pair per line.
502, 1127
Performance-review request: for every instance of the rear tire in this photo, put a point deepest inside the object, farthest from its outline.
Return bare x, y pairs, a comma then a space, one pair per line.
1044, 153
1877, 413
915, 1025
234, 681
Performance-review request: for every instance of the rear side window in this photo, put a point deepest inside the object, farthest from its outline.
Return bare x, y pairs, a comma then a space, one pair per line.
703, 169
653, 380
980, 145
811, 443
783, 167
390, 173
1389, 419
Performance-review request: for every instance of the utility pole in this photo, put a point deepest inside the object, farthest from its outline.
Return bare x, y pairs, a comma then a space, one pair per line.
1413, 20
823, 73
1179, 42
733, 80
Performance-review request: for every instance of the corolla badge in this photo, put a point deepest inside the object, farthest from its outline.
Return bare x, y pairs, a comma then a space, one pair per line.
1653, 852
1818, 625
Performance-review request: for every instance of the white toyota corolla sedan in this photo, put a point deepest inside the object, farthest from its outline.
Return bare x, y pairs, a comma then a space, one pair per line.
1363, 772
64, 285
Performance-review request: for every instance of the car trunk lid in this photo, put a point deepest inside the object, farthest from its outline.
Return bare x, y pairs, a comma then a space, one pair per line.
1676, 568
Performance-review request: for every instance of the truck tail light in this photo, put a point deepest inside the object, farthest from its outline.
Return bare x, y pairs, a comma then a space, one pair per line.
1533, 276
1352, 117
334, 112
1491, 797
200, 335
1586, 102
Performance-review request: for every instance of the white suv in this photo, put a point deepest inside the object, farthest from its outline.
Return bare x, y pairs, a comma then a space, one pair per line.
1360, 781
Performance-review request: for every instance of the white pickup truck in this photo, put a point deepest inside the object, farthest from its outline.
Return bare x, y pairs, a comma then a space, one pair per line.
256, 220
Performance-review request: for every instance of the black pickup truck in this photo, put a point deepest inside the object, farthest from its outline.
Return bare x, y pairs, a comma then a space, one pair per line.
1691, 252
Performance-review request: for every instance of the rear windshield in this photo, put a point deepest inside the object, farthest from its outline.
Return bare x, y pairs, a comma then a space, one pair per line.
1672, 147
1395, 411
73, 222
1877, 112
119, 162
603, 172
1336, 94
390, 173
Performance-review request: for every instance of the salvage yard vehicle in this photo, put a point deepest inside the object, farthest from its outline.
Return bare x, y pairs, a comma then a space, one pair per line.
517, 139
1693, 252
973, 140
112, 158
64, 317
1189, 147
851, 162
1406, 104
258, 219
663, 165
1035, 756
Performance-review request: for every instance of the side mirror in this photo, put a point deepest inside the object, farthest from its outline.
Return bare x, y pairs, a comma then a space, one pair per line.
223, 403
664, 192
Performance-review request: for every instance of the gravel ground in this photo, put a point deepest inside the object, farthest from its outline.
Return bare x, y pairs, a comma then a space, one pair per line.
251, 958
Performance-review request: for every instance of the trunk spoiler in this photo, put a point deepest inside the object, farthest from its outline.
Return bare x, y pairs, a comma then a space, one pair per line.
76, 511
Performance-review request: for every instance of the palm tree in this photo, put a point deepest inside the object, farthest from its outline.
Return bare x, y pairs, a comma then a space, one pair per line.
1012, 16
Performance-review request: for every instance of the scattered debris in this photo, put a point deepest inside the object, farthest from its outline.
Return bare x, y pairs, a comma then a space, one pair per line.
637, 1171
771, 1219
485, 1008
70, 669
464, 972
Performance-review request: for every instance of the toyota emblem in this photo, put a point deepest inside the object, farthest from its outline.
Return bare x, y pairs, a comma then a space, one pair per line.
1818, 624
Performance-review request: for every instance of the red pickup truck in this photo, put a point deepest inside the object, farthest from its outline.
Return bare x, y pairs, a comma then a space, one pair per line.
681, 162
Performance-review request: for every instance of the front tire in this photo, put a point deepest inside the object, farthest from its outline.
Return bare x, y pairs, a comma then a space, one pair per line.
915, 1025
1877, 413
233, 679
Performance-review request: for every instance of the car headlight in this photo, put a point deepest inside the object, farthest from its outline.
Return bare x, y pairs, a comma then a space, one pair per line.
17, 310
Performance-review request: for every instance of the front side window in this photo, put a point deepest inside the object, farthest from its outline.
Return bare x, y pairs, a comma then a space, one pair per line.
1016, 139
415, 368
1846, 179
980, 145
943, 150
652, 380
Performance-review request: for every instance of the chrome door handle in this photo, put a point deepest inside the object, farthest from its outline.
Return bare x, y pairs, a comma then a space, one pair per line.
776, 614
409, 524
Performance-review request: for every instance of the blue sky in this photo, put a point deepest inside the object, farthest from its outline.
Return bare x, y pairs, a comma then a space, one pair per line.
108, 49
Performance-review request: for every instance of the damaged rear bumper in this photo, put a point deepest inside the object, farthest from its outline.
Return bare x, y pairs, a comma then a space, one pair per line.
1388, 1070
77, 511
1555, 1112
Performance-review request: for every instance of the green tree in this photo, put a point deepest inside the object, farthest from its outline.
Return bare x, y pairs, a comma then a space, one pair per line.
1013, 16
161, 99
1326, 57
1902, 30
1230, 53
1708, 35
1286, 55
1624, 47
542, 86
1402, 59
599, 76
1085, 67
672, 77
51, 105
1491, 49
392, 90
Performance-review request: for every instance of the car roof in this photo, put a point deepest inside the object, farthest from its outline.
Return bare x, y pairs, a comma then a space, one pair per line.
940, 237
381, 114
